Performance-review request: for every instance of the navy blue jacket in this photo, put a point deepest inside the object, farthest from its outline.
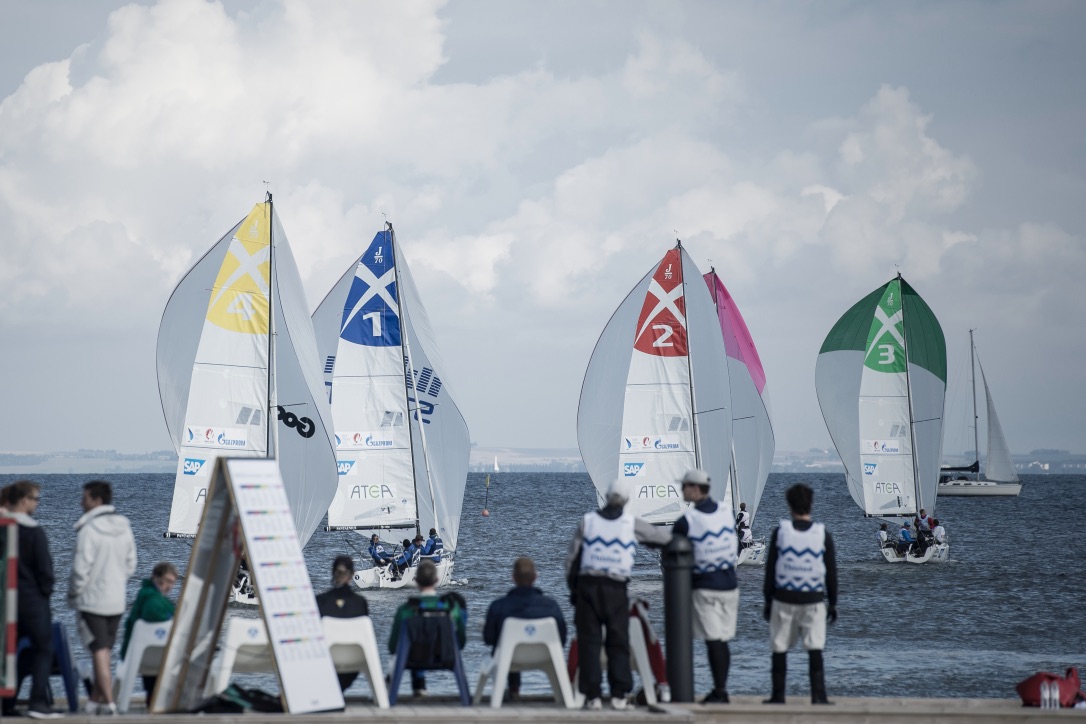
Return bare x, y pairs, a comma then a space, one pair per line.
521, 602
724, 580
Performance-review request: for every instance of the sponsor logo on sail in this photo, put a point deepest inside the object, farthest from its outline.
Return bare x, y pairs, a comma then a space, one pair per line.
377, 439
345, 466
228, 437
871, 468
883, 447
372, 492
364, 439
633, 470
658, 491
192, 466
888, 488
667, 442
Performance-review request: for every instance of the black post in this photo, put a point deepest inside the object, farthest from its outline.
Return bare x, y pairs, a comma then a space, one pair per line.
678, 564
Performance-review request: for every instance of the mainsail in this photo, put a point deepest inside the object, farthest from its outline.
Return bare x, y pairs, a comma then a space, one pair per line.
653, 402
250, 356
402, 445
881, 382
753, 442
999, 467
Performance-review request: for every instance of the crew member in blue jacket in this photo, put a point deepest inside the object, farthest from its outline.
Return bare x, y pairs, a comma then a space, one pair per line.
716, 589
377, 551
800, 578
523, 601
434, 547
905, 538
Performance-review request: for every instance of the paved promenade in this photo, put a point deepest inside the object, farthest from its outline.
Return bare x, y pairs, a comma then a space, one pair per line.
442, 710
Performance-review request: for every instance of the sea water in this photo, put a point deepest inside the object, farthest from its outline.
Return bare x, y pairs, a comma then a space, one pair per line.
1008, 603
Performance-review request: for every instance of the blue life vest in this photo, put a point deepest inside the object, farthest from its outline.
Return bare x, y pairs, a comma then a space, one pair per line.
434, 548
800, 564
608, 545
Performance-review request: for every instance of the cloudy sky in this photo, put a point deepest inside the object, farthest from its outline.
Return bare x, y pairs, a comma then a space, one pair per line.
537, 159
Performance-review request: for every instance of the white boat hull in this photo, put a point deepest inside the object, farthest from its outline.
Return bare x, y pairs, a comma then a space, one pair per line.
375, 577
938, 553
755, 555
979, 487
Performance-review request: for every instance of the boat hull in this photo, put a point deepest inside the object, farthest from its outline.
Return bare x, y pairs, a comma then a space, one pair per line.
755, 555
375, 577
981, 487
939, 553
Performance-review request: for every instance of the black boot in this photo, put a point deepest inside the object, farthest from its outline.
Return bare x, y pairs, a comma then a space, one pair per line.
720, 658
818, 677
780, 670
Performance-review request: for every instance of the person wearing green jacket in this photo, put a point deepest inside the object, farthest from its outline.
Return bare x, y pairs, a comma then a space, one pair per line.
151, 605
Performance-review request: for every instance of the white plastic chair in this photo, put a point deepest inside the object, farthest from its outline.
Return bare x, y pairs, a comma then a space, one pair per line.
143, 658
527, 644
245, 650
353, 646
639, 662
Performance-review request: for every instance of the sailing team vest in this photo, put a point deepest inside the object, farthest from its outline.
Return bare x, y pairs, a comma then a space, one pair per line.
715, 546
800, 566
608, 544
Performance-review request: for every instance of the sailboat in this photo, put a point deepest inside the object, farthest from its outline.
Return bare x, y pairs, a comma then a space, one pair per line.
239, 375
753, 442
496, 468
654, 402
402, 446
1000, 475
881, 383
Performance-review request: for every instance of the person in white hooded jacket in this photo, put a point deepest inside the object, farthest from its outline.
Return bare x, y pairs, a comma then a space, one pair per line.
102, 562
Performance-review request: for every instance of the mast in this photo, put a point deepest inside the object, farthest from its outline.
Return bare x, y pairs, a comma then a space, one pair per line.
976, 429
690, 365
271, 419
410, 390
909, 397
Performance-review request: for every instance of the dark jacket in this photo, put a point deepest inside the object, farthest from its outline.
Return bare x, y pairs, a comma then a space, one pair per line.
342, 602
150, 605
829, 558
36, 577
521, 602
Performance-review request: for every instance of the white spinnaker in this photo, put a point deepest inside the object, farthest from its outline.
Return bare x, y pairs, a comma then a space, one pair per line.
369, 397
998, 466
306, 458
225, 411
837, 385
443, 446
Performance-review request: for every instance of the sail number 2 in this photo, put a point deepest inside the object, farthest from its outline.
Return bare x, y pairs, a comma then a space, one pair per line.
665, 333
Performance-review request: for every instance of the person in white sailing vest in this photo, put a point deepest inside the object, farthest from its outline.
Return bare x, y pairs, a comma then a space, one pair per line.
939, 532
716, 588
742, 518
746, 538
884, 535
598, 566
800, 578
922, 522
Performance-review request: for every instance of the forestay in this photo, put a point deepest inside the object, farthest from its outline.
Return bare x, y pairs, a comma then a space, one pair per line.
234, 346
753, 442
881, 381
653, 403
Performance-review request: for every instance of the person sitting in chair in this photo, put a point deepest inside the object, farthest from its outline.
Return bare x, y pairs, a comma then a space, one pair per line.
341, 602
428, 605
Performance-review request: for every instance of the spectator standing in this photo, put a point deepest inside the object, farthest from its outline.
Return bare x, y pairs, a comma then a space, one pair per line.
522, 601
103, 560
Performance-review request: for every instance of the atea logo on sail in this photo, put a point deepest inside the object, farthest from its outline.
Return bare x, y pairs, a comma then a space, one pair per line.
239, 298
371, 313
661, 326
885, 350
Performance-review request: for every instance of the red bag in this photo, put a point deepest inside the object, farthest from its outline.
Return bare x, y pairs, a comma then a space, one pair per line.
1069, 685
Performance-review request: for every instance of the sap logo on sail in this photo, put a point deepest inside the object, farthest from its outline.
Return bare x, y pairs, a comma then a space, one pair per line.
888, 488
372, 492
192, 466
658, 491
882, 446
633, 470
345, 466
871, 468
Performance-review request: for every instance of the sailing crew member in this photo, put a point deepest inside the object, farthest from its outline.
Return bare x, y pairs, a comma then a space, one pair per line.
939, 532
884, 535
378, 553
716, 588
746, 538
742, 518
800, 577
922, 522
434, 547
598, 567
905, 538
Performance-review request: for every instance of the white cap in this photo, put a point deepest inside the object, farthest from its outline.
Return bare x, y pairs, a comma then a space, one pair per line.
695, 477
619, 492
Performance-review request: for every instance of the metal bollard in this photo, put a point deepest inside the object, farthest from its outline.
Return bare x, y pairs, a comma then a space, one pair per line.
678, 563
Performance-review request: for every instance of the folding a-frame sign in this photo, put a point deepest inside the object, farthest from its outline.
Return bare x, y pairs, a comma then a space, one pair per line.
247, 513
9, 600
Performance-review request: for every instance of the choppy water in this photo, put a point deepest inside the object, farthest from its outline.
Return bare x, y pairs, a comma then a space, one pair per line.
1010, 601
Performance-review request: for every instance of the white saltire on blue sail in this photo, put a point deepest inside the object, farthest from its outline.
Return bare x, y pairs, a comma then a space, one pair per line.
235, 346
402, 445
653, 403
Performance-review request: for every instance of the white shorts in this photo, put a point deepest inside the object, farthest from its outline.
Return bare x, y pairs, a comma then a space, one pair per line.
789, 621
715, 613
